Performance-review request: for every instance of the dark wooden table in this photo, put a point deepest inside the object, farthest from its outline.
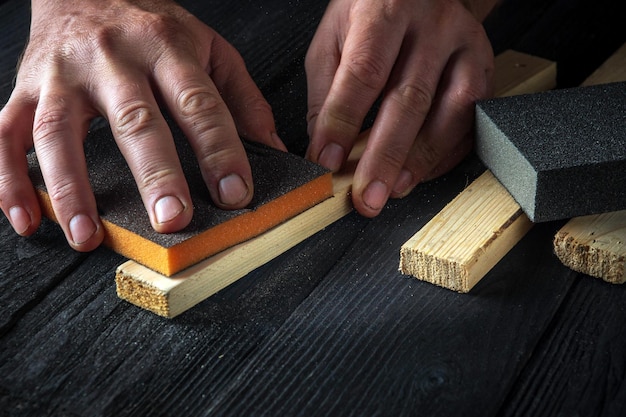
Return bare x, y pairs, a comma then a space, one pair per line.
329, 328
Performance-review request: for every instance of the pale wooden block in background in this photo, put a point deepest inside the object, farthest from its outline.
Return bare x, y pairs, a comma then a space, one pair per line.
595, 245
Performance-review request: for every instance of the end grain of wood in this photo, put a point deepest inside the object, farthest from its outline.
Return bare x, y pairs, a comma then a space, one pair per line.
595, 245
140, 293
467, 238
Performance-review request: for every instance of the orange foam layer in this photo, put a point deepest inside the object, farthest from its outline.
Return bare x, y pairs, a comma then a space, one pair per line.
169, 261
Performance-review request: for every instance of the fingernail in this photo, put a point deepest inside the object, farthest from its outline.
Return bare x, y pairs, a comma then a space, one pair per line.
403, 182
233, 190
375, 195
20, 219
167, 208
332, 157
82, 228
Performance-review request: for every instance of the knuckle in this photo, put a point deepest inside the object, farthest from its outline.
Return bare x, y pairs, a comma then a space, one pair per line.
392, 9
62, 192
216, 153
258, 105
7, 183
414, 98
5, 129
426, 155
162, 30
367, 70
159, 25
51, 121
466, 94
196, 101
132, 118
103, 39
152, 177
393, 156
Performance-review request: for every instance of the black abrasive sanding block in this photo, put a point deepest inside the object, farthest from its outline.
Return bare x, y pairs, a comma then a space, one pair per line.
560, 153
284, 186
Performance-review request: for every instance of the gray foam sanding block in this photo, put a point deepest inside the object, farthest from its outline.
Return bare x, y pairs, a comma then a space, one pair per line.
284, 186
560, 153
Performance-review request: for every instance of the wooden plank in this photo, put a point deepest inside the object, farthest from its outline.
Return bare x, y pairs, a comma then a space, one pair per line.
476, 229
171, 296
467, 238
596, 245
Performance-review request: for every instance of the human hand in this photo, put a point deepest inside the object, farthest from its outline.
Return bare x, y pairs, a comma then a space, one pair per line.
121, 59
428, 60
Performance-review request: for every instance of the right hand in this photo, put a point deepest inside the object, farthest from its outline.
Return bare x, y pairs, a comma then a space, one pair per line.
120, 59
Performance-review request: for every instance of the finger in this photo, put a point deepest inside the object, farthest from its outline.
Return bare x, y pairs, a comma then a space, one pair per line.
58, 134
369, 52
17, 196
321, 63
447, 136
406, 104
197, 106
251, 112
146, 142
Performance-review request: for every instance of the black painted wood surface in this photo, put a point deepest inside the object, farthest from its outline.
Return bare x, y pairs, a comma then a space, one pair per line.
330, 327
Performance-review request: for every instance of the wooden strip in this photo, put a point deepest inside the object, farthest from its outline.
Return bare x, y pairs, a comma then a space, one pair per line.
596, 245
467, 238
476, 229
171, 296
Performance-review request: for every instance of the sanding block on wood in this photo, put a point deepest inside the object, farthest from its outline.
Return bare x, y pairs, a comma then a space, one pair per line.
171, 296
284, 186
560, 153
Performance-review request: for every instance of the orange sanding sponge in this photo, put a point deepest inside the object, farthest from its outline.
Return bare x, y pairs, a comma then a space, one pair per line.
284, 186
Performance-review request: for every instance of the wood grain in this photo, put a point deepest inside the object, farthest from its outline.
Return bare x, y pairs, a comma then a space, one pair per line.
170, 296
596, 245
476, 229
467, 238
330, 327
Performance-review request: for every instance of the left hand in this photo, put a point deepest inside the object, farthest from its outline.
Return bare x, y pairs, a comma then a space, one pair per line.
428, 60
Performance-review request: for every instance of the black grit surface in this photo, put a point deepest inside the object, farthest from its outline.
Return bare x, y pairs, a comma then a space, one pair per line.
275, 173
560, 153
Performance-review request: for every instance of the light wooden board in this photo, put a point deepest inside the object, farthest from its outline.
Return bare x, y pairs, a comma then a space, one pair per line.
596, 245
476, 229
170, 296
467, 238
